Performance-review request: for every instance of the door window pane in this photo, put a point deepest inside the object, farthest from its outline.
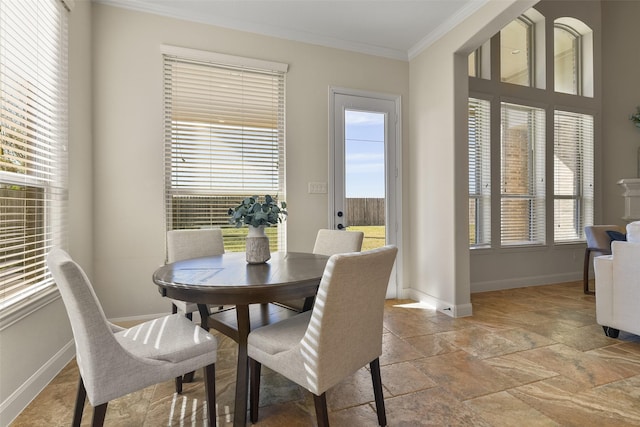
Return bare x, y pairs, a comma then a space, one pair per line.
365, 176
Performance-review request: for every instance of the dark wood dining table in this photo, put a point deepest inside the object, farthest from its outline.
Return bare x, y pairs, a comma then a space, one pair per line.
229, 280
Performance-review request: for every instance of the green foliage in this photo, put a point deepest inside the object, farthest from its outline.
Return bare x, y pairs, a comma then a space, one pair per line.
251, 211
635, 118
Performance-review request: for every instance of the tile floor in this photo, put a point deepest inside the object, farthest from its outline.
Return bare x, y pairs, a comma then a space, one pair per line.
527, 357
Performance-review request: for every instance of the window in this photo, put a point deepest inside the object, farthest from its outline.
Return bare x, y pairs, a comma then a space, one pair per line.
33, 132
545, 154
516, 52
566, 49
573, 57
573, 175
224, 139
479, 173
522, 175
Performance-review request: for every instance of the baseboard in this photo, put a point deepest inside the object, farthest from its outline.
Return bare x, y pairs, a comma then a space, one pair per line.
453, 310
20, 399
523, 282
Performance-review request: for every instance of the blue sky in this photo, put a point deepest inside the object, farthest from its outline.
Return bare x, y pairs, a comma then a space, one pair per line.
364, 154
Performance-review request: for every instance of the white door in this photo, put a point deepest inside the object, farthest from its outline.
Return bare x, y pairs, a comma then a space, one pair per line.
364, 187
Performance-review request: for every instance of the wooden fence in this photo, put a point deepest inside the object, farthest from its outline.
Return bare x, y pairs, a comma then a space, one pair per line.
365, 211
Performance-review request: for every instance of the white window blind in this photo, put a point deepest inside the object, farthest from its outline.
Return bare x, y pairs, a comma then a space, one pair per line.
479, 173
224, 141
573, 175
522, 175
33, 130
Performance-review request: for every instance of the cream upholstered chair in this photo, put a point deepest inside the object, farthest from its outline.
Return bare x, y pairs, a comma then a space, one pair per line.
618, 285
329, 242
114, 361
598, 243
319, 348
185, 244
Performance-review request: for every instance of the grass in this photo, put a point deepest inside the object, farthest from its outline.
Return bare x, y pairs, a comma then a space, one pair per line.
374, 236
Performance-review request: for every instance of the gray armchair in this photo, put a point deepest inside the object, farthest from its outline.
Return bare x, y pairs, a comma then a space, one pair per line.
598, 243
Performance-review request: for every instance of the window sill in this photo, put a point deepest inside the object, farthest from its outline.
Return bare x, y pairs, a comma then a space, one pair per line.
21, 309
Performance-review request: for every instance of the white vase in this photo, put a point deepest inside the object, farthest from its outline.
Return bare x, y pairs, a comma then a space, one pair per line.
257, 245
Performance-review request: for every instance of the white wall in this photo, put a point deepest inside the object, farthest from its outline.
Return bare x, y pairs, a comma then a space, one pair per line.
620, 96
35, 348
128, 132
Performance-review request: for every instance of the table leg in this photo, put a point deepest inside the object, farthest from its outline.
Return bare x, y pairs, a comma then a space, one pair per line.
242, 374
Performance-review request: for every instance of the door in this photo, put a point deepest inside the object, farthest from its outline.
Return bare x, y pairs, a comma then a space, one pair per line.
364, 182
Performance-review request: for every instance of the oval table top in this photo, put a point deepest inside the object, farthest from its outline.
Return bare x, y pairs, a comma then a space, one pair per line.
229, 279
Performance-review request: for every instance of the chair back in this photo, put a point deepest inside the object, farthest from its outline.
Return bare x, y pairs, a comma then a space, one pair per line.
185, 244
331, 242
345, 330
95, 342
597, 238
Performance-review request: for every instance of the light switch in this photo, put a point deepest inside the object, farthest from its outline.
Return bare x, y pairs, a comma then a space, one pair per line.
317, 188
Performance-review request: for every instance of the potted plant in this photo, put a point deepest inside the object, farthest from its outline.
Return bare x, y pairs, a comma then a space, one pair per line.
635, 118
257, 215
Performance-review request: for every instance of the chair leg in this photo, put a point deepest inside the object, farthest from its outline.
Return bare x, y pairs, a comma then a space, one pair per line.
80, 398
210, 391
174, 309
99, 413
322, 414
188, 377
377, 391
254, 389
585, 273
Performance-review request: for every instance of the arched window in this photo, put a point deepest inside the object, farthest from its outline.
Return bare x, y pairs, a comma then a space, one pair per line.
573, 57
516, 52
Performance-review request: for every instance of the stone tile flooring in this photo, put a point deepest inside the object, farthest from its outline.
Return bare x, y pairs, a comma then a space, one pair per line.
530, 356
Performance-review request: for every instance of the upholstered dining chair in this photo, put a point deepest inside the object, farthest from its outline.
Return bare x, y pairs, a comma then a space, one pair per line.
317, 349
329, 242
598, 243
186, 244
115, 361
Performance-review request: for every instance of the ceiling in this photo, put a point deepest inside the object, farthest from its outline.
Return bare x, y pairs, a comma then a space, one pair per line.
397, 29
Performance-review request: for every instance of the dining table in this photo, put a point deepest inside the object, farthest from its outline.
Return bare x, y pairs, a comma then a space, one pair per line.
250, 290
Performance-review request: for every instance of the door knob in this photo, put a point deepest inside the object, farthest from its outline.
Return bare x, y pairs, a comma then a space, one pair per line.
340, 226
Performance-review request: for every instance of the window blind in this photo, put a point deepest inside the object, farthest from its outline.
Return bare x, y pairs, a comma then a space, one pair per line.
33, 130
573, 175
479, 172
224, 141
522, 175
